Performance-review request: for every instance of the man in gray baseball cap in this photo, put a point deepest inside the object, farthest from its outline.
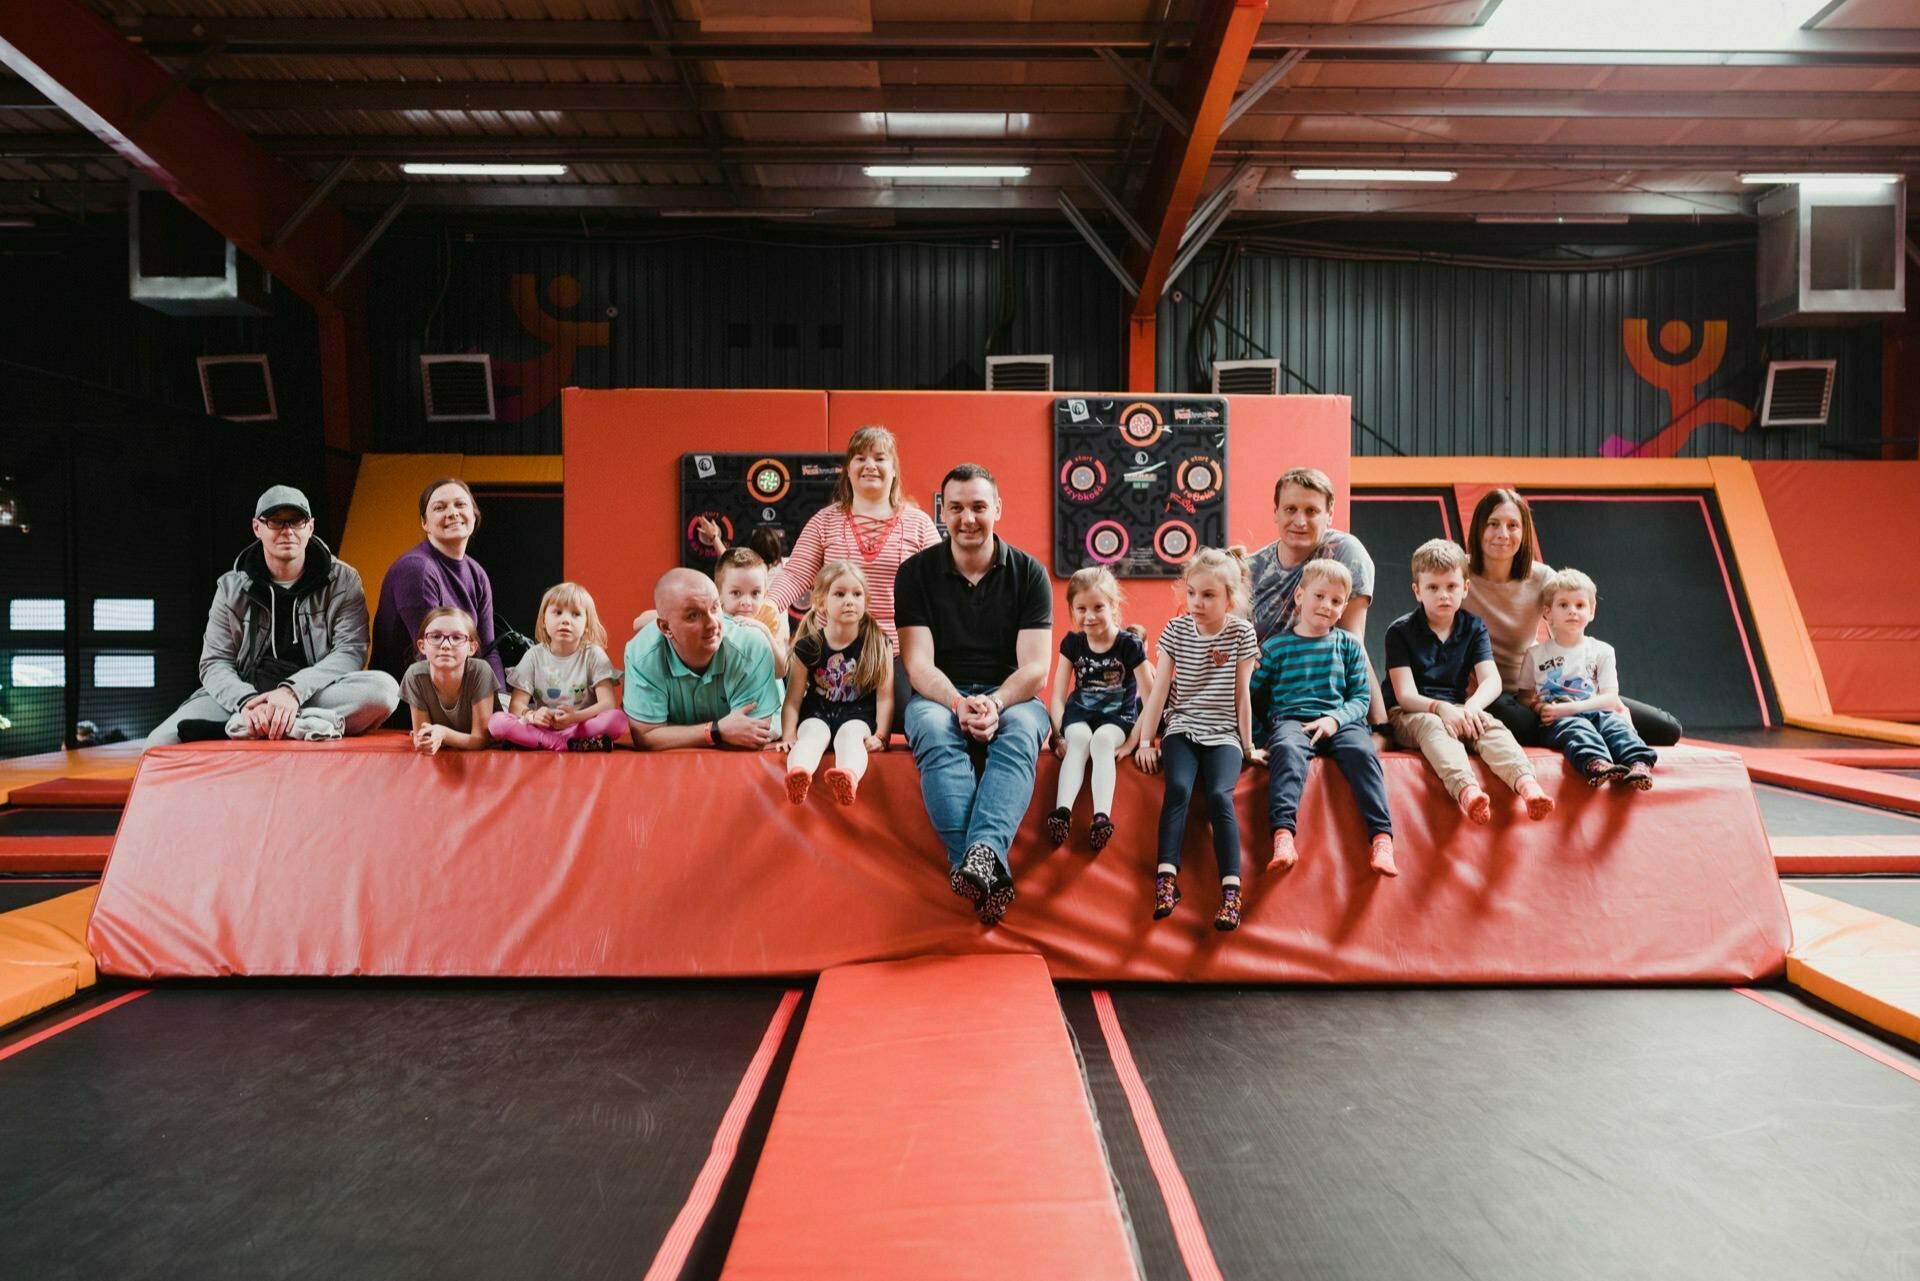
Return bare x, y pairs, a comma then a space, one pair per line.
286, 641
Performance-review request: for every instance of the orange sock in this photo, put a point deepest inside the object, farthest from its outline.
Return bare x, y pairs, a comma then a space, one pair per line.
844, 785
799, 783
1382, 856
1284, 855
1476, 805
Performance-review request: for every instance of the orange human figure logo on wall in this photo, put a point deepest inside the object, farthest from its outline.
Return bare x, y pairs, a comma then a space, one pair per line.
1681, 383
529, 386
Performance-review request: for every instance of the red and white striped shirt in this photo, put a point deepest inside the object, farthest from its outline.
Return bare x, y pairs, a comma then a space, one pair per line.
829, 535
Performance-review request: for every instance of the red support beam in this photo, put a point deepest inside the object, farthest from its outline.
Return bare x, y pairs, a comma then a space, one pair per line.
1222, 39
135, 106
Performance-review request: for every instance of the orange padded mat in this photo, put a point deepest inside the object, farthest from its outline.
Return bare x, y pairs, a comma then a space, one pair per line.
62, 793
919, 1086
363, 858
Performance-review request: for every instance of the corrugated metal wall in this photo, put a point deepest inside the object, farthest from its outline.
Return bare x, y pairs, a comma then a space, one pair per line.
1447, 360
707, 311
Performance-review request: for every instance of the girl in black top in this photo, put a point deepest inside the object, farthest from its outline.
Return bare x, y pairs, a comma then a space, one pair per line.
839, 687
1096, 723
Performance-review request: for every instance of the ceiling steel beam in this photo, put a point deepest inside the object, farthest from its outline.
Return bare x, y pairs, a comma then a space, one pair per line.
1308, 100
1250, 97
1596, 157
1208, 81
133, 105
1148, 94
482, 196
514, 38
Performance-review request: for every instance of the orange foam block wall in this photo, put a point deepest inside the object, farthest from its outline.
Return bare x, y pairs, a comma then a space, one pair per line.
364, 858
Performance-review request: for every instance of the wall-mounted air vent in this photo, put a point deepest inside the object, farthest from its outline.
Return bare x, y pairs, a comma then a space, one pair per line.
1799, 393
238, 388
459, 389
1246, 378
1019, 373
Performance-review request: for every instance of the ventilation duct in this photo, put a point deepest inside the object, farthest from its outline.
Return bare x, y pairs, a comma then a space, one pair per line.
1019, 373
238, 388
1799, 393
459, 389
179, 265
1246, 378
1832, 257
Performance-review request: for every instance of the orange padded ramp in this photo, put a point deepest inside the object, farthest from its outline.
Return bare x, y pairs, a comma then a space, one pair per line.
54, 853
920, 1087
1809, 773
43, 958
82, 793
363, 858
1863, 962
1845, 855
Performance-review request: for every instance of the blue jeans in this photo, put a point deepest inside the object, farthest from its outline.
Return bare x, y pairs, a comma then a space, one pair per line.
968, 805
1586, 738
1351, 748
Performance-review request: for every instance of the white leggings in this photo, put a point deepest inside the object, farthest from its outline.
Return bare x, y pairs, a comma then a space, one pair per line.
1102, 745
849, 747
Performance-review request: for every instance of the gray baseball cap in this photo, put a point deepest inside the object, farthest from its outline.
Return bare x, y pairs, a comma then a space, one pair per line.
282, 496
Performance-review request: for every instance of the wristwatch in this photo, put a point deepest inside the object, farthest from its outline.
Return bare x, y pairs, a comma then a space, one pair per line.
1384, 727
713, 733
999, 703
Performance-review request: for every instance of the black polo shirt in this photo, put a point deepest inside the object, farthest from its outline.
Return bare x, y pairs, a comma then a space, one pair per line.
1441, 669
976, 626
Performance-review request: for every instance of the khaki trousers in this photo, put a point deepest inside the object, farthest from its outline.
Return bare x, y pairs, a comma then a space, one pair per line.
1427, 733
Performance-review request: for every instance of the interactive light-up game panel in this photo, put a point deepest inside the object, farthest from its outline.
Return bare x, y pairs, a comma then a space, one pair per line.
740, 492
1140, 484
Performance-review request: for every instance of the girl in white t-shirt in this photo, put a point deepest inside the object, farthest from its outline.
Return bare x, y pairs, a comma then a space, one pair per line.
1202, 681
566, 696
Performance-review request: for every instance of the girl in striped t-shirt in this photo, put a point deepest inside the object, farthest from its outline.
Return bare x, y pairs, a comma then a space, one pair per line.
1201, 679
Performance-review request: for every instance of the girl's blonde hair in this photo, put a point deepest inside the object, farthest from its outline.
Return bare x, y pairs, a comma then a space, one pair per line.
448, 611
876, 656
1098, 578
1229, 565
571, 596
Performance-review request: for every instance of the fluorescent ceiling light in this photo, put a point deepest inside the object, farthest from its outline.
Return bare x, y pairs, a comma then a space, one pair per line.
1823, 181
484, 170
946, 171
1375, 175
1609, 57
1597, 220
950, 124
1640, 31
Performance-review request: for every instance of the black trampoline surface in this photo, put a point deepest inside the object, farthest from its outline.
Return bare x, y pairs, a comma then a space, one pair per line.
1392, 523
1512, 1134
374, 1130
59, 822
1678, 634
1903, 773
1788, 738
1898, 897
23, 890
1790, 813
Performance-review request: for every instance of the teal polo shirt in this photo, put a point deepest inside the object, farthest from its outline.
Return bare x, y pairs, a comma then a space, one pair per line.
661, 690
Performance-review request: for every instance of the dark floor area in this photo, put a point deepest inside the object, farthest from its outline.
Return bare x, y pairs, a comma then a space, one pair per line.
1786, 738
1790, 813
59, 822
19, 891
1898, 897
1514, 1134
371, 1130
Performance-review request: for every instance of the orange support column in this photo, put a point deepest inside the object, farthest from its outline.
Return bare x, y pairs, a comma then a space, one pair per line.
1143, 334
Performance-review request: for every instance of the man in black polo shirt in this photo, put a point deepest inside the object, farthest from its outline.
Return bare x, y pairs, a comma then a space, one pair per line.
976, 632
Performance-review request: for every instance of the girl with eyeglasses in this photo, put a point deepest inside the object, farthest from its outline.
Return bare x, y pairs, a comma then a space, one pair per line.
449, 691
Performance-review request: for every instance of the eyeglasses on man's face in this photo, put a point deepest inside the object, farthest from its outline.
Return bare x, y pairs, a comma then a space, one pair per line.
281, 525
446, 639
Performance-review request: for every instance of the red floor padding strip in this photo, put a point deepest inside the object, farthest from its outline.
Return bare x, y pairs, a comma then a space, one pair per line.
934, 1123
1846, 855
364, 858
1851, 1042
672, 1255
54, 853
28, 1042
110, 793
1189, 1234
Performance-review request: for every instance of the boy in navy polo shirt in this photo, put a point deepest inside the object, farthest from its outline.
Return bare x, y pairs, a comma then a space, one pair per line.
1433, 654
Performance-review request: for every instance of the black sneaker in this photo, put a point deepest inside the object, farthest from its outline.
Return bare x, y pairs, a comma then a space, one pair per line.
192, 731
1060, 826
1100, 833
973, 878
999, 898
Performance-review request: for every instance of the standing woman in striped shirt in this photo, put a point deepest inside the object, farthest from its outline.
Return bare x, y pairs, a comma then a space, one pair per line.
869, 522
1201, 680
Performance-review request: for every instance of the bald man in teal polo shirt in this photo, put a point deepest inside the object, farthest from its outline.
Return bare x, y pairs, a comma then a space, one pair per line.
702, 679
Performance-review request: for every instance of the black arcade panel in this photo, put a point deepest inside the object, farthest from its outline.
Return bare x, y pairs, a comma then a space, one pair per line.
1140, 483
743, 491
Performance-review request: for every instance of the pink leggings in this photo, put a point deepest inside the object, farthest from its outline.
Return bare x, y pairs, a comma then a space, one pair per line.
509, 728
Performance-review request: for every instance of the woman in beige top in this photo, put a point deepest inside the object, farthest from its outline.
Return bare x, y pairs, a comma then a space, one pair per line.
1505, 575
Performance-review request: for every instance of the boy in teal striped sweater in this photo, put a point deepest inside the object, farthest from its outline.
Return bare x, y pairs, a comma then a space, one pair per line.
1310, 690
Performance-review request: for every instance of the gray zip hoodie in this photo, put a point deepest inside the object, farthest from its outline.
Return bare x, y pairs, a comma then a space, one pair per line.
329, 608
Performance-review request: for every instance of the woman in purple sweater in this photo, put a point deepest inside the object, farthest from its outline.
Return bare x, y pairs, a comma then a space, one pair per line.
434, 572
